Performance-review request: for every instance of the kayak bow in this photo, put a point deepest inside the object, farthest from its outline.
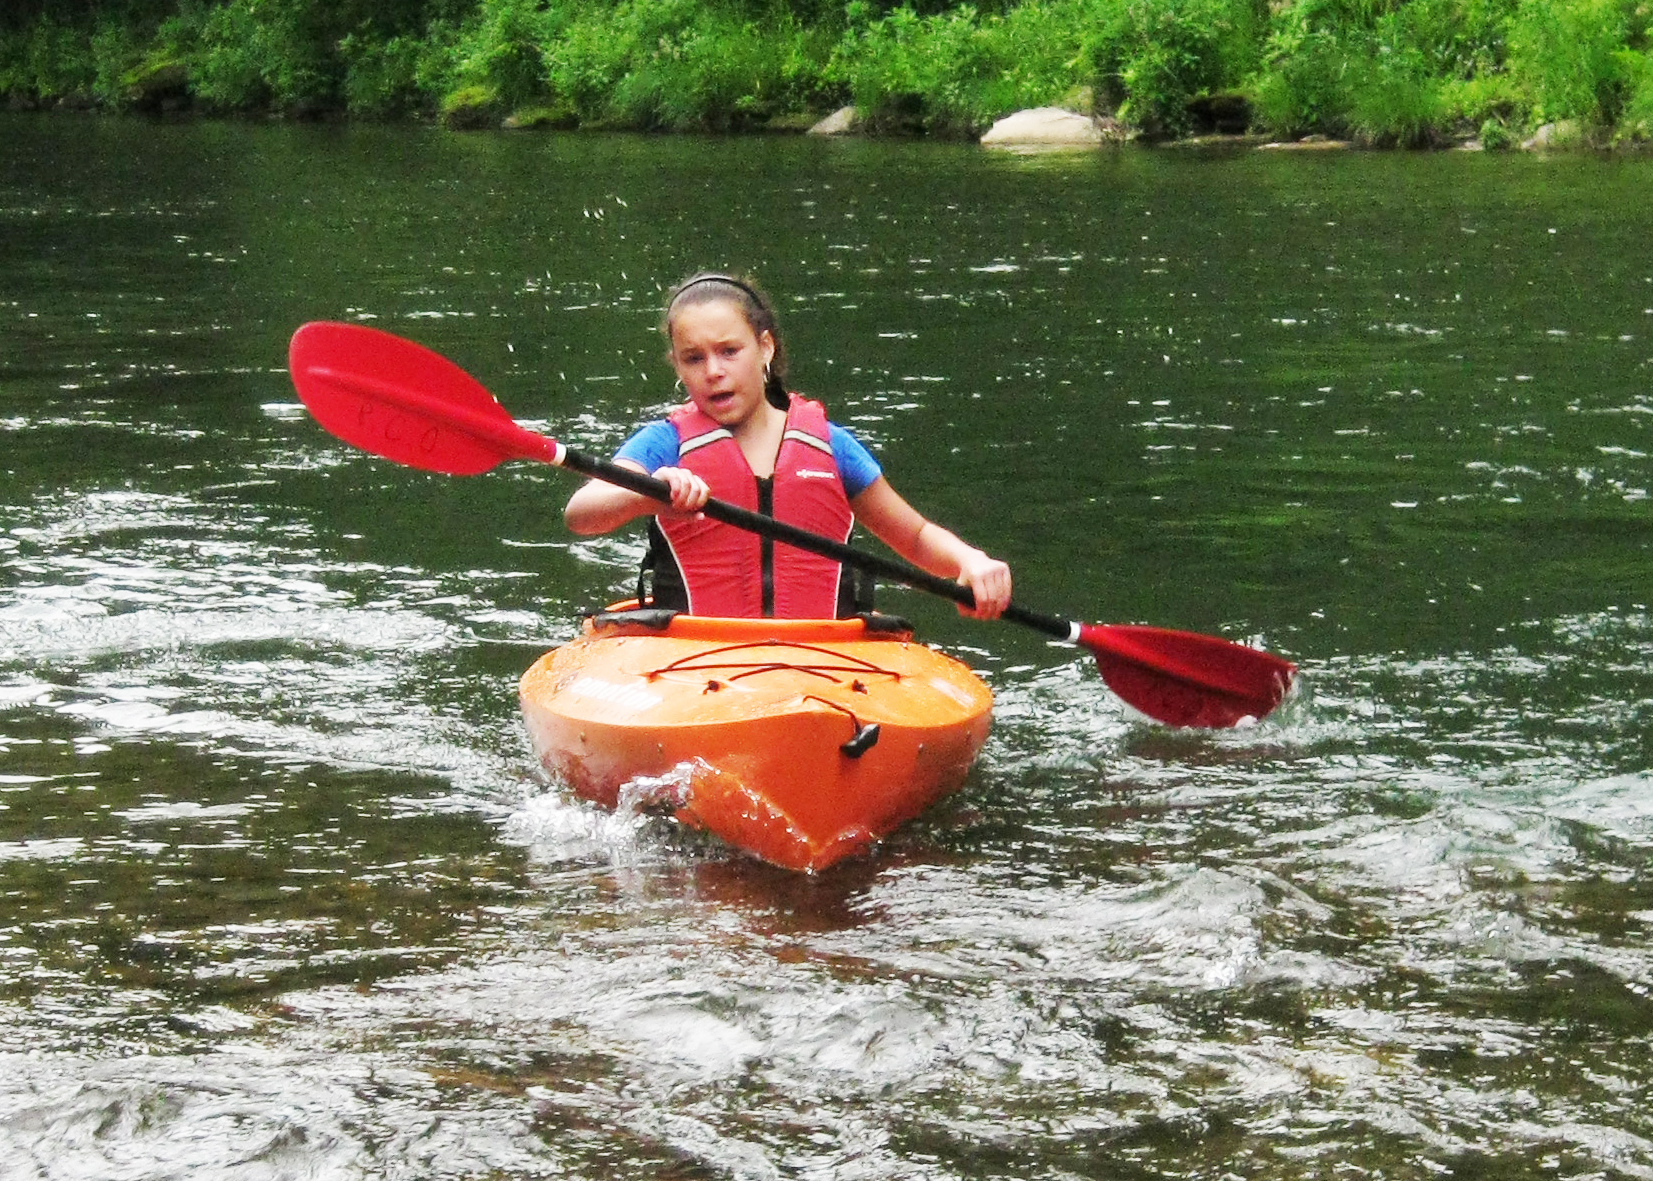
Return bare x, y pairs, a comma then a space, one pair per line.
799, 741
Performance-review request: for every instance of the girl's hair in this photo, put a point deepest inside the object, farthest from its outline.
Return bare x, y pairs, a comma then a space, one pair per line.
755, 306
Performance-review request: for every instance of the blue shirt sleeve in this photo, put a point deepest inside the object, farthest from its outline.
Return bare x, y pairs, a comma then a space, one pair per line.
654, 446
856, 466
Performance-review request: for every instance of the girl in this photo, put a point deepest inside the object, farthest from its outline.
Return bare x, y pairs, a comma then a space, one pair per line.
742, 438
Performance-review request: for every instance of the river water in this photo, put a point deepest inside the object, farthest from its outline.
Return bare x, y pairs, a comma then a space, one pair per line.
285, 895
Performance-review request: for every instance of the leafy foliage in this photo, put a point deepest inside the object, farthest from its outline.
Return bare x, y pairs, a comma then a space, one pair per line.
1575, 58
1402, 72
1637, 120
676, 64
956, 71
1152, 57
501, 50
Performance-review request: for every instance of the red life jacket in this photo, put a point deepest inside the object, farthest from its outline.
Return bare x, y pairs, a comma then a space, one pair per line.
731, 572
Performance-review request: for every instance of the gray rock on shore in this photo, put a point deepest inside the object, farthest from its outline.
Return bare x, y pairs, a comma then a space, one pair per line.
1046, 127
1566, 133
843, 121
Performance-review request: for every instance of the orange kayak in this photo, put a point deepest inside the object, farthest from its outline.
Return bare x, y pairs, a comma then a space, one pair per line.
799, 741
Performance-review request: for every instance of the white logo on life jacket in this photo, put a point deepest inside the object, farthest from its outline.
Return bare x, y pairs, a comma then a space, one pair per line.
813, 474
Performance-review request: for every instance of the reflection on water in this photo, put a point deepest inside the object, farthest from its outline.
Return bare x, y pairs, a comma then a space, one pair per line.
284, 895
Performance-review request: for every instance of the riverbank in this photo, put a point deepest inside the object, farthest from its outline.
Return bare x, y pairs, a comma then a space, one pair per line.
1428, 73
1077, 132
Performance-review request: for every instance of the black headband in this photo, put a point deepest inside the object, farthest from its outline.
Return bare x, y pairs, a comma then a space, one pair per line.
729, 279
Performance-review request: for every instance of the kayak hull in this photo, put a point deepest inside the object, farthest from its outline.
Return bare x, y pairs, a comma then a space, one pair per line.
799, 741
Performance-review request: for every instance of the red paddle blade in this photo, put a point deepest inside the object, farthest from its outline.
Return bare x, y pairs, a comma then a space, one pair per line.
1186, 679
398, 399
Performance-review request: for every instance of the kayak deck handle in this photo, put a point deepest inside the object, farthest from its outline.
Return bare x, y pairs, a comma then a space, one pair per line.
865, 739
865, 736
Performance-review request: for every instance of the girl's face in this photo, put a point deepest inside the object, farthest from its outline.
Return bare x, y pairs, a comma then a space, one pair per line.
720, 360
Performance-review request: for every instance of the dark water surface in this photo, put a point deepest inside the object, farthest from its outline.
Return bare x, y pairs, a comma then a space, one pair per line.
284, 895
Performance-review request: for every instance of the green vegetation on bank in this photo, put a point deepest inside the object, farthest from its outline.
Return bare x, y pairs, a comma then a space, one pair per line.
1404, 72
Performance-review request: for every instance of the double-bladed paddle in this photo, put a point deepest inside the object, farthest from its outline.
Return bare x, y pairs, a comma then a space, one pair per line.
406, 403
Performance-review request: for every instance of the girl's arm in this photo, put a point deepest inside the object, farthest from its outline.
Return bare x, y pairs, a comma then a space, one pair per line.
930, 547
598, 507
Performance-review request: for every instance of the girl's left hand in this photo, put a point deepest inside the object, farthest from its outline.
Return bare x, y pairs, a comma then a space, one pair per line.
989, 581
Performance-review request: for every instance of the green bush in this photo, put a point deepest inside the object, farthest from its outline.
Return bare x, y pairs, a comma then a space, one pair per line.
51, 59
1151, 57
231, 70
1496, 136
115, 53
955, 72
680, 64
1393, 104
1302, 86
1572, 60
1489, 98
709, 71
310, 54
1394, 95
1457, 39
1637, 120
257, 53
502, 48
609, 65
1406, 74
889, 63
471, 108
1034, 56
586, 64
381, 78
436, 67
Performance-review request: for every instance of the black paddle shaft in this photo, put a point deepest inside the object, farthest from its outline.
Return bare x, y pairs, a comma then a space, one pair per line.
730, 514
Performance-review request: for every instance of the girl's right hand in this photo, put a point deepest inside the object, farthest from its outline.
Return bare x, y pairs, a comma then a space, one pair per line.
689, 492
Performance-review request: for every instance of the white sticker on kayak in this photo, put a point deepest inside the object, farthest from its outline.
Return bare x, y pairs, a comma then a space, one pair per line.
630, 698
